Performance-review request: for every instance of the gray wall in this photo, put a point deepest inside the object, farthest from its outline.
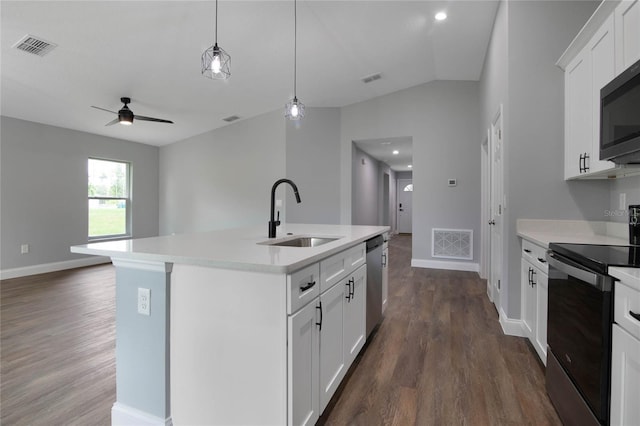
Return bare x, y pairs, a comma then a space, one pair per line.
313, 163
520, 72
631, 187
43, 178
365, 188
222, 178
443, 118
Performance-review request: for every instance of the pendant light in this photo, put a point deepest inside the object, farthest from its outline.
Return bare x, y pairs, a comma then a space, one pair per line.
215, 61
294, 110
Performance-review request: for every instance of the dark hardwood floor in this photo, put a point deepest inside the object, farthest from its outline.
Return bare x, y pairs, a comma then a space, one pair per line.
438, 358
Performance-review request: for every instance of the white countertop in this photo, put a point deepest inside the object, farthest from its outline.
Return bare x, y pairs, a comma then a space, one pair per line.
629, 276
543, 232
236, 248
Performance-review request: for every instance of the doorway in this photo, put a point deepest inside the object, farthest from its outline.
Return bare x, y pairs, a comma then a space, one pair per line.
405, 205
496, 201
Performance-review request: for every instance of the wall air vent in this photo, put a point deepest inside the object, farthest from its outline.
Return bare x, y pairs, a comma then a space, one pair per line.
372, 77
452, 243
231, 118
34, 45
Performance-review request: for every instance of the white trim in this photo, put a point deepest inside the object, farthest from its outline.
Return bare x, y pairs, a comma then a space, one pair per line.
44, 268
510, 327
441, 264
143, 265
123, 415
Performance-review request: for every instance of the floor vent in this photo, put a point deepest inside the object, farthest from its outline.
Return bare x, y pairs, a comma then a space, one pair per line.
34, 45
452, 243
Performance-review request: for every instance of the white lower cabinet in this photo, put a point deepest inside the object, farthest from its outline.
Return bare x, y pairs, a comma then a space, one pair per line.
303, 367
625, 378
324, 338
385, 276
534, 296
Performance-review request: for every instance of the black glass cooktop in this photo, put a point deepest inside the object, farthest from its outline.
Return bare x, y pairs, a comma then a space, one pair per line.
599, 257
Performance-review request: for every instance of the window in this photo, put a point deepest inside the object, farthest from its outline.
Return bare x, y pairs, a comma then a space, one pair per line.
408, 188
109, 202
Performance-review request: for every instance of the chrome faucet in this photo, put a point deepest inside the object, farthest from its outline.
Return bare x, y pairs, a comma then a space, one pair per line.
273, 223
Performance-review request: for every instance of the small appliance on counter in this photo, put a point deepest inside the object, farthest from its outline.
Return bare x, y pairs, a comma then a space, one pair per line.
634, 224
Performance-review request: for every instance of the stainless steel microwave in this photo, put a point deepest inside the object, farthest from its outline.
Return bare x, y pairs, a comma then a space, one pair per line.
620, 118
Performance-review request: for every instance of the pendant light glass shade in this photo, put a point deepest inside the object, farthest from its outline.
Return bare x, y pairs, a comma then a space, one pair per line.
294, 109
216, 63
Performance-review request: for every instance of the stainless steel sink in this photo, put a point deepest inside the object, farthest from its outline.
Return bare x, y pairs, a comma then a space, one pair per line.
301, 242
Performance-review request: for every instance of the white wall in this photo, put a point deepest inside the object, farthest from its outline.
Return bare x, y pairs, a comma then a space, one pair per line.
222, 178
365, 191
442, 117
631, 187
43, 178
313, 163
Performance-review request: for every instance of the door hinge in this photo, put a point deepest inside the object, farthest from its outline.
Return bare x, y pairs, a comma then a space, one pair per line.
498, 284
499, 208
499, 133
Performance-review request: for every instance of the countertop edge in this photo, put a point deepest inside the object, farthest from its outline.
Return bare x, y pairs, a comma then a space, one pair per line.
629, 276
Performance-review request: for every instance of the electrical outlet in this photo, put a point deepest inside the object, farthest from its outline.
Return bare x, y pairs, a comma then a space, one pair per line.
24, 249
144, 301
622, 202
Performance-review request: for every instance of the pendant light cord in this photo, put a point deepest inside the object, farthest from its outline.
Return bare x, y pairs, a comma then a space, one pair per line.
216, 30
295, 45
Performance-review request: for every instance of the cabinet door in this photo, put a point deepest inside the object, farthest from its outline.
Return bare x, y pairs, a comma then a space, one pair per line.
625, 377
303, 366
627, 27
603, 71
355, 314
528, 306
332, 367
578, 115
542, 299
385, 278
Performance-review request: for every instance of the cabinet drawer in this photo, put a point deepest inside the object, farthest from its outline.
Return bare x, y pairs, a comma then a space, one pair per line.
627, 300
302, 287
536, 255
337, 266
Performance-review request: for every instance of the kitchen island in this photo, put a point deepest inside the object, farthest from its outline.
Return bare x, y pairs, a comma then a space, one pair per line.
225, 327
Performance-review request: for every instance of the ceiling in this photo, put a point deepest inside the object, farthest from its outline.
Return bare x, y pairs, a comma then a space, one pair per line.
383, 150
150, 51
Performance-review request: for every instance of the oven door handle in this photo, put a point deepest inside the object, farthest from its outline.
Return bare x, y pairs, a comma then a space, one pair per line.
577, 271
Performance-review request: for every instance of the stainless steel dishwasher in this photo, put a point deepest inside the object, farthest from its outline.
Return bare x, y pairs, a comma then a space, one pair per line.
374, 282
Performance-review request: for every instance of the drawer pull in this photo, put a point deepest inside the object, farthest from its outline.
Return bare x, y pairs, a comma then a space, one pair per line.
319, 324
541, 260
634, 315
527, 251
307, 287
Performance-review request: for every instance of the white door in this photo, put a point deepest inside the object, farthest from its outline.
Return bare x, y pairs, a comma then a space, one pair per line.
332, 367
355, 314
303, 366
542, 303
497, 207
405, 195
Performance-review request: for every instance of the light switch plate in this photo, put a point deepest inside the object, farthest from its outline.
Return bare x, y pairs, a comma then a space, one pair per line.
144, 301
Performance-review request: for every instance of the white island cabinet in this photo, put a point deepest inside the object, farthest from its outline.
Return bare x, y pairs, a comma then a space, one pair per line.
239, 331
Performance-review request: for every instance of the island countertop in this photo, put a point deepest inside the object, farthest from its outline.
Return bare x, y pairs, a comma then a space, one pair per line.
238, 249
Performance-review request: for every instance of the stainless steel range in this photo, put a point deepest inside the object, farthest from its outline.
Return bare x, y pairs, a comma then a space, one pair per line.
579, 328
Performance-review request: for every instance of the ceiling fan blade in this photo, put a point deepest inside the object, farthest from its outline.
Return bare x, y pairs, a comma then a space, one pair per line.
113, 112
112, 122
157, 120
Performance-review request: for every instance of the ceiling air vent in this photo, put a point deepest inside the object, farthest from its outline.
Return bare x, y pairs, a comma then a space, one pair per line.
372, 77
231, 118
34, 45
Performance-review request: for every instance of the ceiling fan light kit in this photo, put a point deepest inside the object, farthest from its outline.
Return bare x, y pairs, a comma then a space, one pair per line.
216, 63
126, 116
294, 109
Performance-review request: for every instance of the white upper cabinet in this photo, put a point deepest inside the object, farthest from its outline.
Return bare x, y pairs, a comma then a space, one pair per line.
607, 44
627, 34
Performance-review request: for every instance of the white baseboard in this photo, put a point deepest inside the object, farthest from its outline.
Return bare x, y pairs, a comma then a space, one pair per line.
123, 415
443, 264
510, 327
43, 268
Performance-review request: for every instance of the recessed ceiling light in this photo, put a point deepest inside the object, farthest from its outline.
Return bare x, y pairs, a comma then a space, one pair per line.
396, 152
410, 166
441, 16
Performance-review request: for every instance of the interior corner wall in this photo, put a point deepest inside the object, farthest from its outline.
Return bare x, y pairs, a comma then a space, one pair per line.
365, 188
313, 163
222, 178
520, 73
43, 181
443, 118
389, 209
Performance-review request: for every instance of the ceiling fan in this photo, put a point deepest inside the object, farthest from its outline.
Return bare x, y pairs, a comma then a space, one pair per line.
126, 116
